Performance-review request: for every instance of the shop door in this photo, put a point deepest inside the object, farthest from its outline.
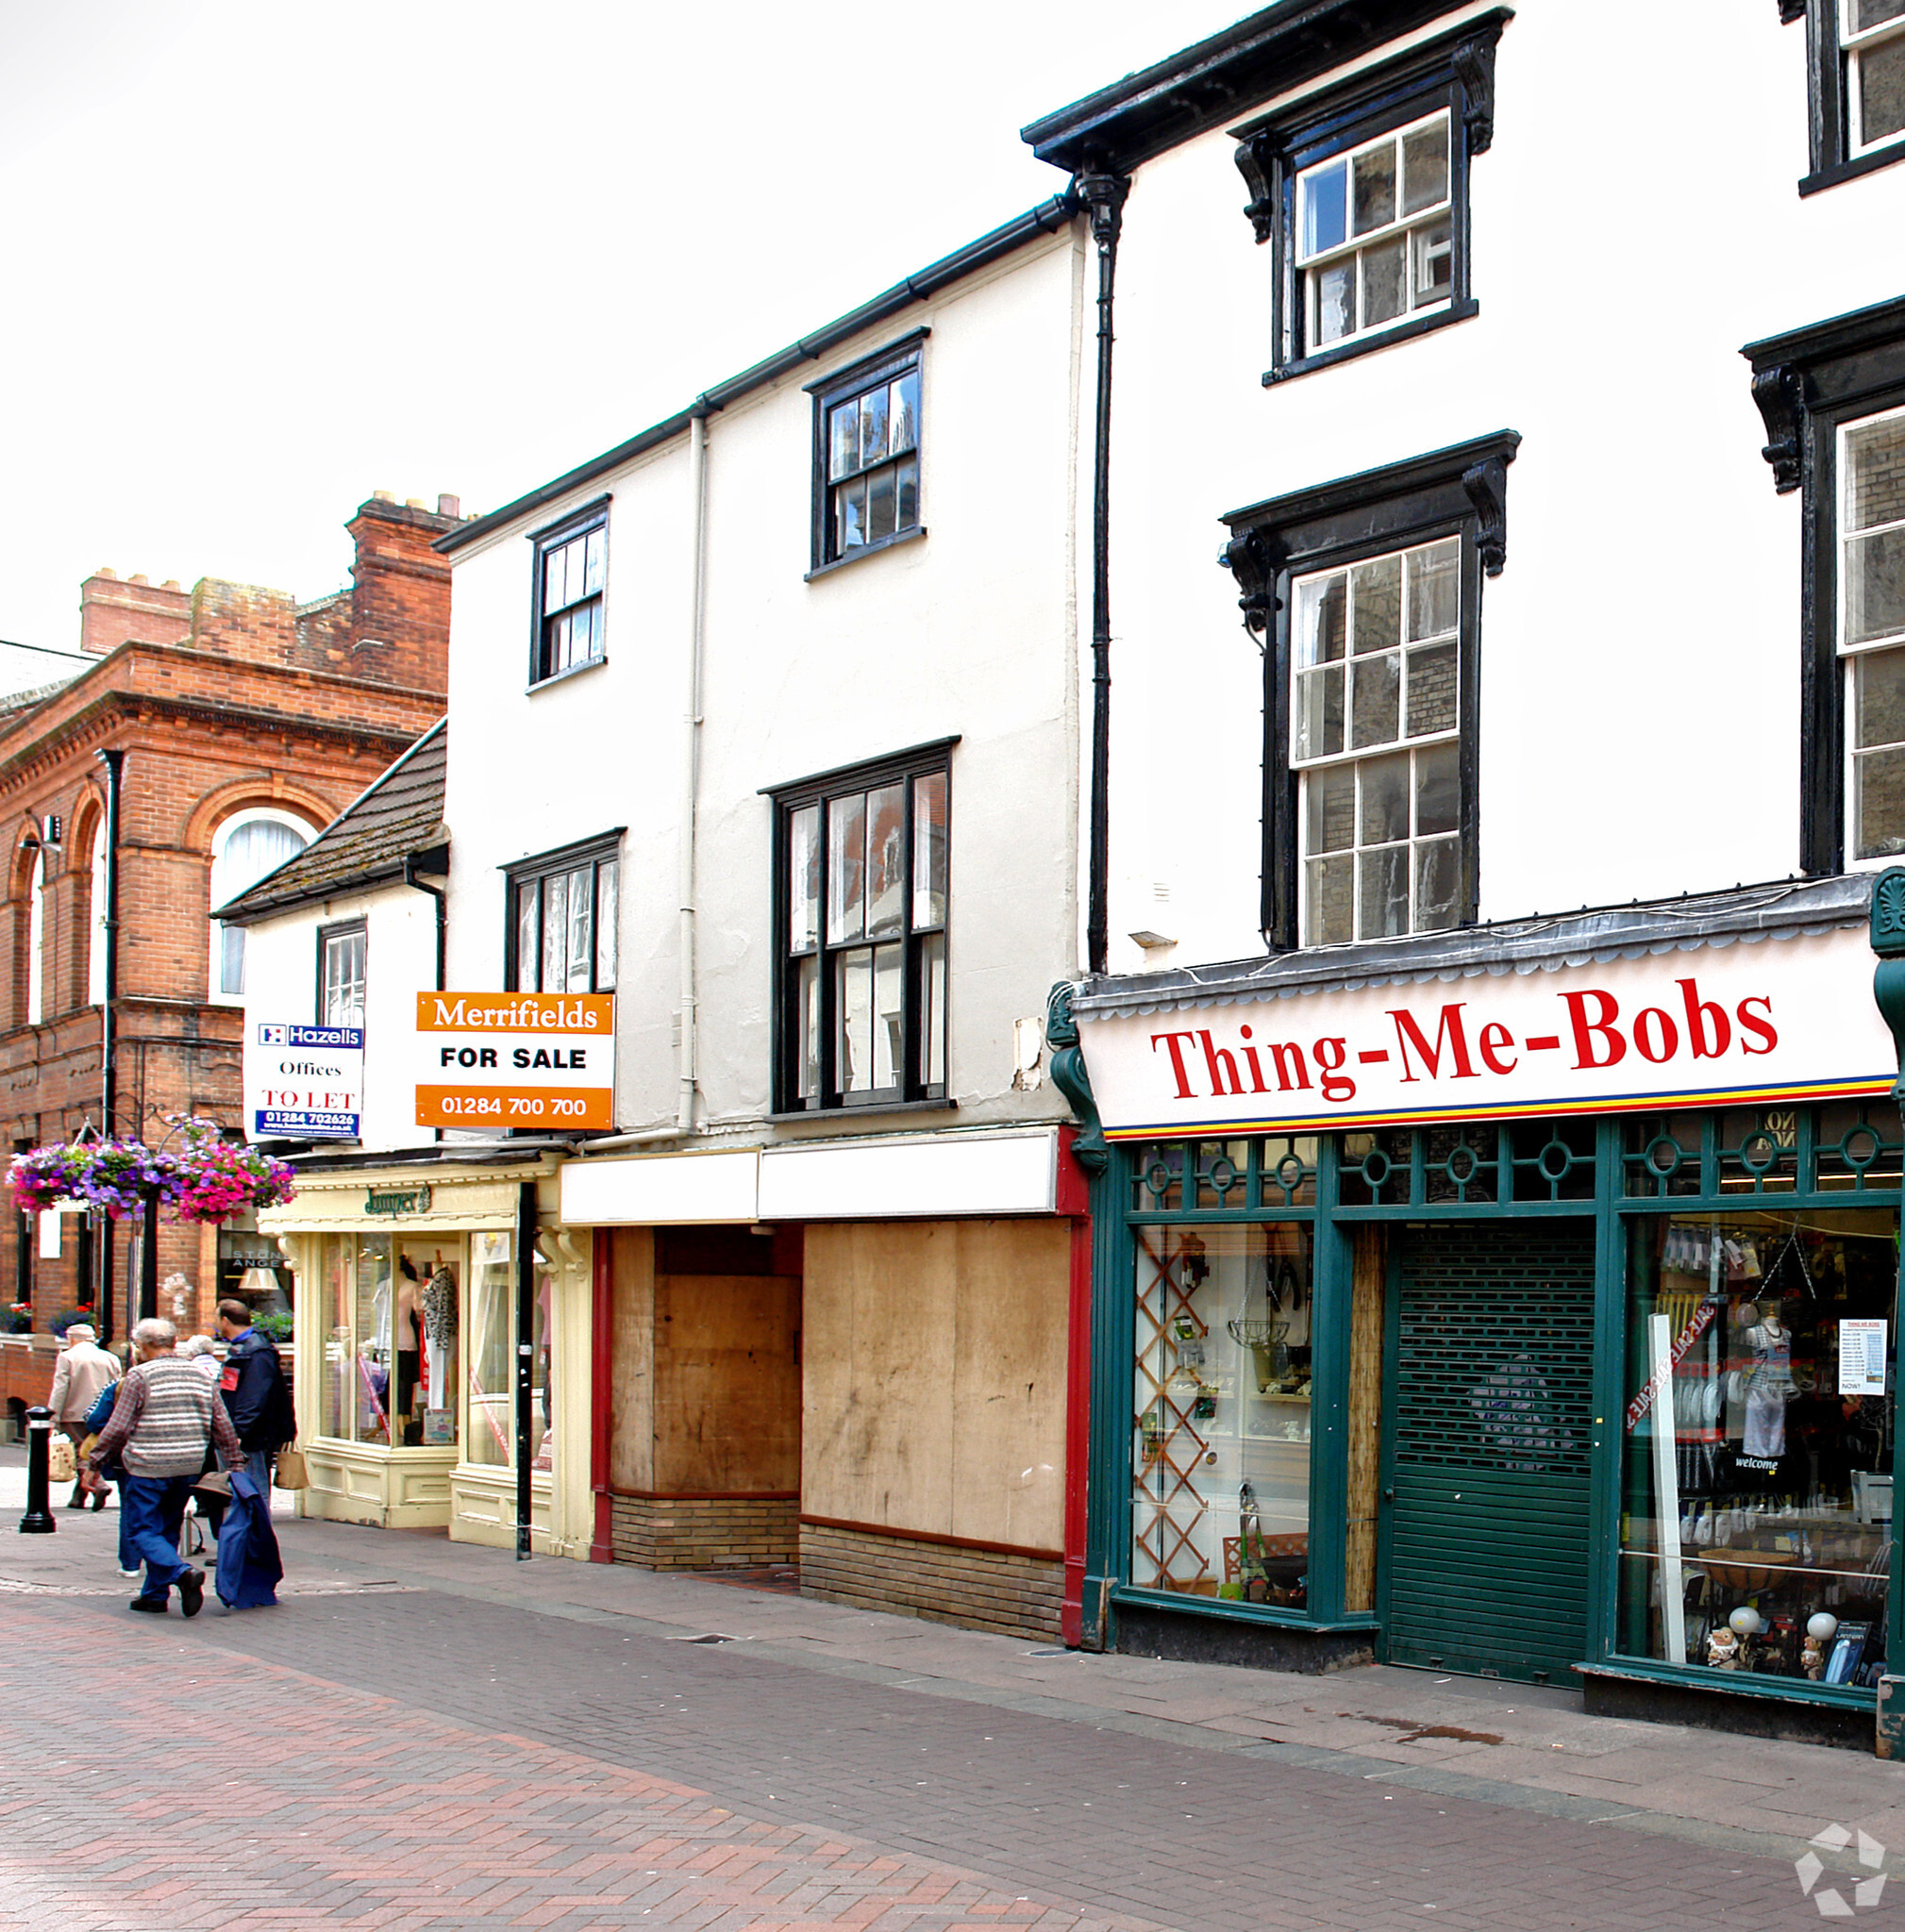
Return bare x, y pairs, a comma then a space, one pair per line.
1486, 1523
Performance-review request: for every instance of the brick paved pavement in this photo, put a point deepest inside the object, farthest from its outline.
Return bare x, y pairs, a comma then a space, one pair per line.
418, 1758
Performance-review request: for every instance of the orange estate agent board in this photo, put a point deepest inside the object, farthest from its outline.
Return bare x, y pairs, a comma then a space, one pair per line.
515, 1059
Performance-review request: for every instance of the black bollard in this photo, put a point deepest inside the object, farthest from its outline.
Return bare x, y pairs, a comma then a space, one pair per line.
39, 1518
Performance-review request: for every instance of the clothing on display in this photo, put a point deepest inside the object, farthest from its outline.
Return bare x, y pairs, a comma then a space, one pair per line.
1766, 1530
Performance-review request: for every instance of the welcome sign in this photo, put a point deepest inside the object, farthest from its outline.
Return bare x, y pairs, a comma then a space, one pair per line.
1778, 1020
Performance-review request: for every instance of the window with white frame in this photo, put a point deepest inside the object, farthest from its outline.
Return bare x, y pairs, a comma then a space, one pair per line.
1872, 631
96, 935
1375, 234
1360, 189
343, 955
35, 941
1872, 46
867, 455
563, 920
1375, 737
1855, 66
861, 892
245, 850
572, 573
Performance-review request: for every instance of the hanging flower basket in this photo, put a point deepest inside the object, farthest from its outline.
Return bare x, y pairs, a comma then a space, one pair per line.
203, 1178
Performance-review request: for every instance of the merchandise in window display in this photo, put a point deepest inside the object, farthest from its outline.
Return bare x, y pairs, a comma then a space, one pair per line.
1769, 1525
1221, 1421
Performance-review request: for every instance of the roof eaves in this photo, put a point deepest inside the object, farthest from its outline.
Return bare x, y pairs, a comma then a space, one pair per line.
1043, 220
1205, 85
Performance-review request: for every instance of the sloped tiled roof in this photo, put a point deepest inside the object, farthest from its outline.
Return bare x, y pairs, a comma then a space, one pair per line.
398, 817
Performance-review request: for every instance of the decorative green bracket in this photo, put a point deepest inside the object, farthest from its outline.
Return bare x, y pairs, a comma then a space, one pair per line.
1888, 980
1073, 1078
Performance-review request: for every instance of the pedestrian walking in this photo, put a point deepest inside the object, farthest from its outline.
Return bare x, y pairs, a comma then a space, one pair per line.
255, 1394
166, 1417
209, 1498
82, 1373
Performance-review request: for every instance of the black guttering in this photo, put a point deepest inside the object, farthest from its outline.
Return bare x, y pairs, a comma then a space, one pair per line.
1045, 219
1203, 87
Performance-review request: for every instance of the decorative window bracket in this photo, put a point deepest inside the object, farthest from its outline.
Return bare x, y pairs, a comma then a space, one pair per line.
1781, 394
1485, 485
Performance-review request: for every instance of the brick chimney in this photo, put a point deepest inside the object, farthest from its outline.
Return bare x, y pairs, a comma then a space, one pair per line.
115, 610
401, 595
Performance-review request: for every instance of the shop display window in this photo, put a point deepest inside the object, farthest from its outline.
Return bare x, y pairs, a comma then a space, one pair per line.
1756, 1521
1221, 1429
493, 1357
493, 1335
391, 1319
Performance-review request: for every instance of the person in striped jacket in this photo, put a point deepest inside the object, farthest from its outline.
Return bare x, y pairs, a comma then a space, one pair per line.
167, 1419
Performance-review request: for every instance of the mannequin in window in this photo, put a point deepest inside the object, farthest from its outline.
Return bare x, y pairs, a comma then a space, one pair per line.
1767, 1385
409, 1334
439, 1309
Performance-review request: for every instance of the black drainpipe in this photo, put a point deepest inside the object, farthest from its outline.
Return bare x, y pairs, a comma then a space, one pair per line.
1103, 194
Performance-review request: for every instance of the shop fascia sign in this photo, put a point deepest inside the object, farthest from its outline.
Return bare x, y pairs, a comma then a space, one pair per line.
395, 1201
515, 1059
1781, 1021
304, 1083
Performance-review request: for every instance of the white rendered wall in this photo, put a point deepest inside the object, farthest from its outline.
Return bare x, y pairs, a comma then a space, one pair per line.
1635, 223
281, 984
967, 632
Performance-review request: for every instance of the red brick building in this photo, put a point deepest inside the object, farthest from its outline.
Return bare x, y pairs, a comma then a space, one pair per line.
247, 721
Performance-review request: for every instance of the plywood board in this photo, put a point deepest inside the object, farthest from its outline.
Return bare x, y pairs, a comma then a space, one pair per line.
1368, 1287
630, 1394
726, 1384
877, 1433
1009, 1382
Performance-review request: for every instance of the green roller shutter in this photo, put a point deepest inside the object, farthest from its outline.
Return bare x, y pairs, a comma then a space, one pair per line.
1487, 1531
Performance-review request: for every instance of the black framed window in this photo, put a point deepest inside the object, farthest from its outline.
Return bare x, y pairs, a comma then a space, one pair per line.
866, 428
343, 966
1363, 192
1855, 60
563, 919
1832, 396
1365, 594
570, 582
861, 889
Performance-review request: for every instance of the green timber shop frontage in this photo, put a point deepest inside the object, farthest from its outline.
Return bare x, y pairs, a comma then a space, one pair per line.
1517, 1301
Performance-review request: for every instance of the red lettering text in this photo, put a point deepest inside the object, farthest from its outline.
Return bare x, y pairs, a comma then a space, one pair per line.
1585, 1030
1448, 1035
1177, 1053
1751, 1023
1489, 1044
1703, 1015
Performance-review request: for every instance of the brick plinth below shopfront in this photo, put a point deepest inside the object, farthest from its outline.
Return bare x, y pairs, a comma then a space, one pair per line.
704, 1532
1015, 1593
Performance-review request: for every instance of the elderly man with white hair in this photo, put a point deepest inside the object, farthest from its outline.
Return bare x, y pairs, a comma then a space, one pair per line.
166, 1417
83, 1372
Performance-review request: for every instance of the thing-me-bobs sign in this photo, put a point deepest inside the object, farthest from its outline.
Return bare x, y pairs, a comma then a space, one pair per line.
515, 1059
1786, 1020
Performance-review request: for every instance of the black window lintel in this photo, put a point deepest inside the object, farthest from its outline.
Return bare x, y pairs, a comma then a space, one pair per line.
571, 521
884, 362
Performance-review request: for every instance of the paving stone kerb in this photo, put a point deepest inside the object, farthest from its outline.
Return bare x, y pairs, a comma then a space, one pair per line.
834, 1726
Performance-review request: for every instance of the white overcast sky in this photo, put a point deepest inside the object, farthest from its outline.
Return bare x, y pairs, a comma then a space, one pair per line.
260, 259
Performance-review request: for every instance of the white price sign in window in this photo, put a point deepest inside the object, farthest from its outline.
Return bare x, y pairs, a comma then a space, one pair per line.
1862, 1356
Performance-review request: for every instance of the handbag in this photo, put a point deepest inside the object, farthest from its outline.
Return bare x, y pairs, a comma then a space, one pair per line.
61, 1467
101, 1412
290, 1472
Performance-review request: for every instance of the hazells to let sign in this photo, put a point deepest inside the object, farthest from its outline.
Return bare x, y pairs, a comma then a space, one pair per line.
515, 1059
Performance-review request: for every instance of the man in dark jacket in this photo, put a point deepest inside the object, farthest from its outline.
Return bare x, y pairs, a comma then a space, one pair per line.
255, 1394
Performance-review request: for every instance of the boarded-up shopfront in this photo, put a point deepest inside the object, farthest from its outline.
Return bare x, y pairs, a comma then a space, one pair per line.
879, 1397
